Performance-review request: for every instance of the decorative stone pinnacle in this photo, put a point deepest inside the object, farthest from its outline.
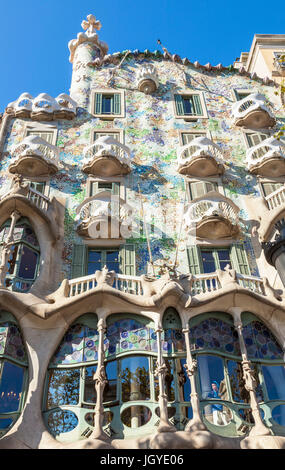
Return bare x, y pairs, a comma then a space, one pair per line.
91, 25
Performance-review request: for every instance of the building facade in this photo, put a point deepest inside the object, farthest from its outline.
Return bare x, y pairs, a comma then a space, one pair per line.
141, 291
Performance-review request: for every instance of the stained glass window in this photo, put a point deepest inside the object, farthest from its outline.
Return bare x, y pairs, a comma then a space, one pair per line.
129, 335
214, 333
260, 342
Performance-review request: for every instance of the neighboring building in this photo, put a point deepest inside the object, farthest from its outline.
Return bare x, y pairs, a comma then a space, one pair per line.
266, 57
141, 257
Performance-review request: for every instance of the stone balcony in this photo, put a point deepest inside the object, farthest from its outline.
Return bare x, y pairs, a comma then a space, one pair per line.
43, 107
267, 158
200, 286
34, 157
107, 157
103, 216
200, 157
212, 216
253, 112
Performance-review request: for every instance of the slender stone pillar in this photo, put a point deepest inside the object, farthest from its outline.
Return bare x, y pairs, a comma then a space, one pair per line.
6, 248
160, 372
259, 428
191, 367
275, 251
100, 379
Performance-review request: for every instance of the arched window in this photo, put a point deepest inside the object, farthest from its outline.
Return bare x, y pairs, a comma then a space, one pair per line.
129, 396
224, 400
177, 383
267, 358
70, 391
13, 372
24, 255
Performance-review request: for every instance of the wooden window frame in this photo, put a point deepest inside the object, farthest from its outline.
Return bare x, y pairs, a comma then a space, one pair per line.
107, 131
210, 179
107, 91
190, 117
39, 127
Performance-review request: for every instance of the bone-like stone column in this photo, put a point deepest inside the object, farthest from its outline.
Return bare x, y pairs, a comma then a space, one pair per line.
160, 372
6, 247
100, 380
259, 428
191, 367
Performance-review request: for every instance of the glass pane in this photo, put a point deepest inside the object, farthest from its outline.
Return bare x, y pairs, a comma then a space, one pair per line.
89, 385
184, 386
169, 380
135, 378
278, 414
11, 385
110, 390
63, 387
187, 104
224, 258
274, 377
62, 421
136, 416
269, 188
28, 263
208, 261
112, 261
12, 259
215, 334
239, 392
219, 416
30, 237
94, 261
129, 335
212, 380
107, 104
260, 342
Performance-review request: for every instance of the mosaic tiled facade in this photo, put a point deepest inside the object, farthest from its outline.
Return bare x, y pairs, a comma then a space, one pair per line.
192, 304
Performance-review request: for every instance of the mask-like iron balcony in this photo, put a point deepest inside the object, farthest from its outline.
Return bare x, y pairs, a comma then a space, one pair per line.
34, 157
102, 216
200, 157
267, 158
107, 157
253, 112
212, 216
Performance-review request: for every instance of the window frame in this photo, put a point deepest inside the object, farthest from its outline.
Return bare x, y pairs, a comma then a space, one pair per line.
39, 127
236, 91
107, 179
107, 131
107, 91
209, 179
252, 131
262, 180
202, 132
190, 117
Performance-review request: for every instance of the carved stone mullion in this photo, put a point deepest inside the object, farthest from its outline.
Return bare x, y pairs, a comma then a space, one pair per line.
160, 372
259, 428
6, 247
191, 368
100, 379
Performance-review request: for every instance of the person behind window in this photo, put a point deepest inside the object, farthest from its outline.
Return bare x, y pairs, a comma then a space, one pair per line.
219, 417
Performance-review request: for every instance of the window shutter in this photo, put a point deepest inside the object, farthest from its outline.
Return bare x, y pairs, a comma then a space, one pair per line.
94, 188
78, 267
116, 189
116, 103
197, 108
98, 103
179, 105
128, 259
239, 259
194, 259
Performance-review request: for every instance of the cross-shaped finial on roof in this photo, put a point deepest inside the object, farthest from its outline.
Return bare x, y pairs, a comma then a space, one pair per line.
91, 25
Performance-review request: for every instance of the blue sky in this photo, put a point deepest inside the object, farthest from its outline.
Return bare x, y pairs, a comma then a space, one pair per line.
34, 56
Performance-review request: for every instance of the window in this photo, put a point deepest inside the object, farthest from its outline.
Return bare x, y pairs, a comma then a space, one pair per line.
114, 134
270, 187
96, 187
190, 105
23, 262
241, 94
86, 260
207, 260
255, 138
45, 135
223, 396
108, 104
13, 372
46, 132
200, 188
97, 259
187, 137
